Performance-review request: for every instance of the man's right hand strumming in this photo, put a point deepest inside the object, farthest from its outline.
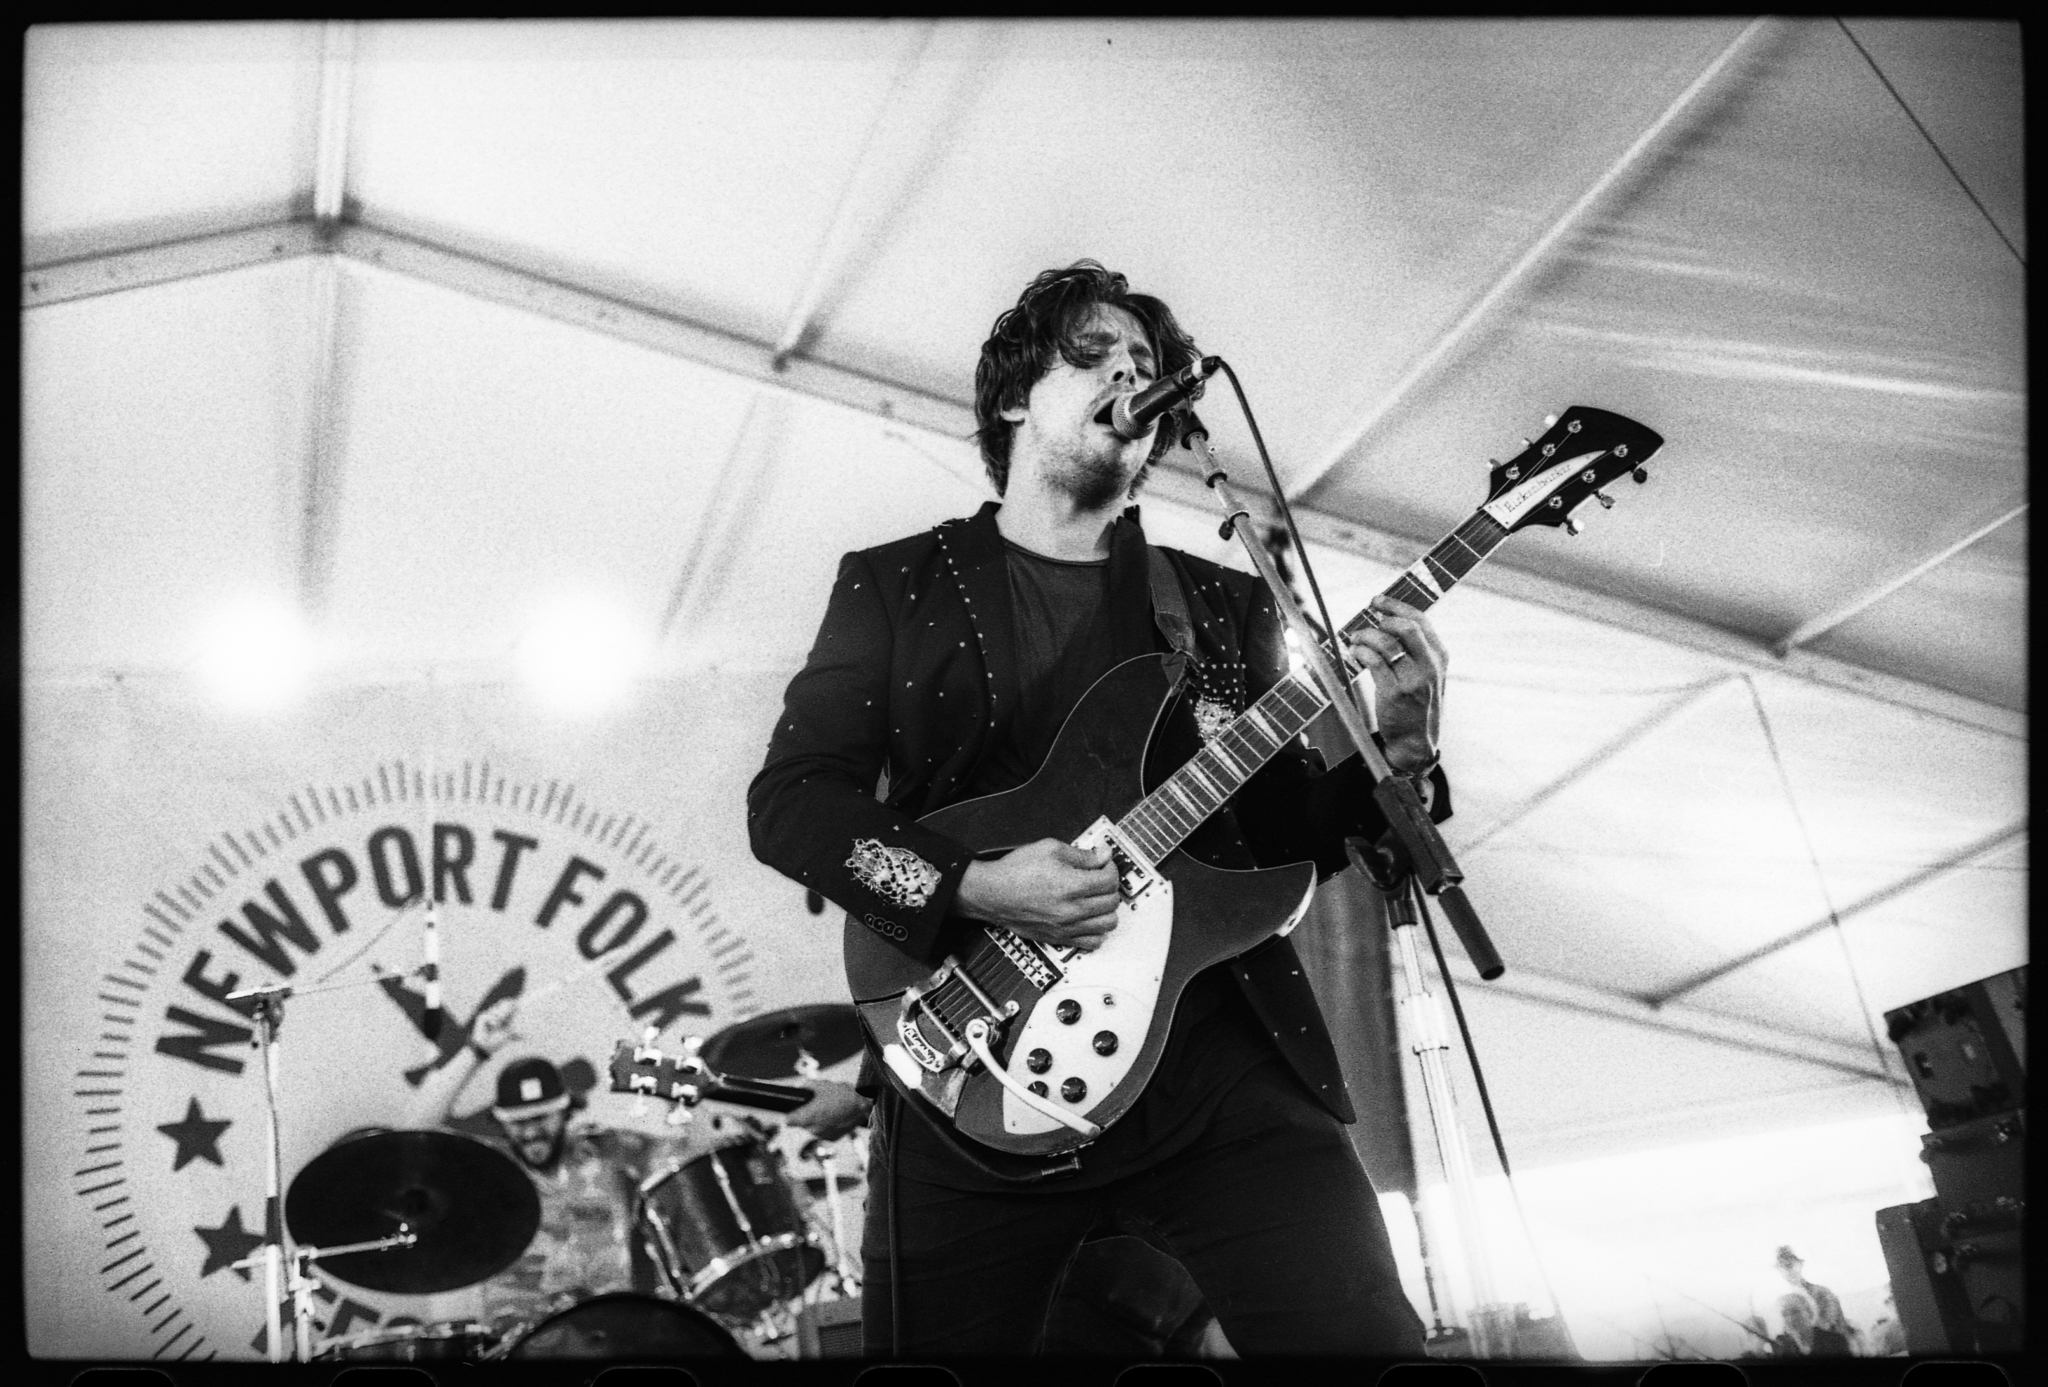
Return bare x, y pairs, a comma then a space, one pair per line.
1047, 891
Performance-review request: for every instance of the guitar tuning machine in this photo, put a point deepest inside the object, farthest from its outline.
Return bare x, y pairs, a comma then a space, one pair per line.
1606, 501
1572, 526
1640, 475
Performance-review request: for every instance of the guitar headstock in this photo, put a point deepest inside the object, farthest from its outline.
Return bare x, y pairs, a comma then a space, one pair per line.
647, 1071
1556, 475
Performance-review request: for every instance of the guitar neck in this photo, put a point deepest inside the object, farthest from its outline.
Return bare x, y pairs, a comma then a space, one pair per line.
1163, 819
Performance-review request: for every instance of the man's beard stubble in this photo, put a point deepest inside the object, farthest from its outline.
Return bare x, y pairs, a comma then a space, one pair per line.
1093, 480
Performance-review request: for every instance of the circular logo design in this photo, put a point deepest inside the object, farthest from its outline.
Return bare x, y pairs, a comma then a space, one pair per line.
592, 928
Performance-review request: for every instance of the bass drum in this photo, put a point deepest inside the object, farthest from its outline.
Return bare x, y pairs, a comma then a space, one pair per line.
626, 1325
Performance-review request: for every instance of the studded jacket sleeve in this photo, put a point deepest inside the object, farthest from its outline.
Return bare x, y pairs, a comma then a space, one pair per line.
813, 813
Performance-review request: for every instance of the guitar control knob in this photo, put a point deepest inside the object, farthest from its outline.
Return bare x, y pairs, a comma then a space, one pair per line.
1038, 1061
1105, 1042
1068, 1011
1038, 1087
1073, 1090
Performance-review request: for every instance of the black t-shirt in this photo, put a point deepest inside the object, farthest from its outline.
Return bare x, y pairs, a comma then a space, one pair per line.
1061, 617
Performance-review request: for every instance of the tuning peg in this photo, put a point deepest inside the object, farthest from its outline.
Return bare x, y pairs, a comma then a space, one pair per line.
1606, 501
692, 1044
1640, 475
1572, 526
678, 1116
1550, 421
648, 1036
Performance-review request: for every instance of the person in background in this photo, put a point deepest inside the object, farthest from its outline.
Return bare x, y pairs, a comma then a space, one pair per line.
1813, 1313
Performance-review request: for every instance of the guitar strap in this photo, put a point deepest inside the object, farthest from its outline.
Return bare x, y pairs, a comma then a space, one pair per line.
1170, 603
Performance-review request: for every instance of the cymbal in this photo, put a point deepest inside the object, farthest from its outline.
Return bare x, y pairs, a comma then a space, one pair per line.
472, 1207
765, 1046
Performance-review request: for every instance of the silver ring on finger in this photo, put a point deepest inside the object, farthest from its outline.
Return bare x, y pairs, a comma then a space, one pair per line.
1397, 657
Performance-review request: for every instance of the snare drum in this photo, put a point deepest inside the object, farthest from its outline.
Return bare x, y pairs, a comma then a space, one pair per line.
728, 1232
455, 1340
626, 1325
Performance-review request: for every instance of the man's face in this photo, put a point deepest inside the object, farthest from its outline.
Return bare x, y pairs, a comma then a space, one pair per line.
1063, 437
537, 1139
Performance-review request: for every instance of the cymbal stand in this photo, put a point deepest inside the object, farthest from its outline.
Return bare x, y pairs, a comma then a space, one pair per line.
265, 1007
300, 1284
849, 1280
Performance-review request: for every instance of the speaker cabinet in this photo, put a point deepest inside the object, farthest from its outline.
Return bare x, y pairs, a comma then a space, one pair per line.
1965, 1049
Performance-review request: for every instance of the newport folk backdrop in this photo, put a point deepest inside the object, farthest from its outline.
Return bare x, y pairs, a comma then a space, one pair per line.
597, 869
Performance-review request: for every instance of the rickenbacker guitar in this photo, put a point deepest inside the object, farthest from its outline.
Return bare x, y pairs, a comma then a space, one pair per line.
1036, 1050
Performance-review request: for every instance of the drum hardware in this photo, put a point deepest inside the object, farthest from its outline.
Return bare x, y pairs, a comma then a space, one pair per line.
264, 1005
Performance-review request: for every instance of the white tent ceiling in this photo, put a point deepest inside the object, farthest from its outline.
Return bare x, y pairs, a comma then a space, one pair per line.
422, 322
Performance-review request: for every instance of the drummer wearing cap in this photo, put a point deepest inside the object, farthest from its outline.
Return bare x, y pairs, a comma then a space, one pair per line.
586, 1176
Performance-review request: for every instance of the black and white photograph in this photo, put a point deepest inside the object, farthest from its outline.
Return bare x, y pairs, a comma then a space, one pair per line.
786, 694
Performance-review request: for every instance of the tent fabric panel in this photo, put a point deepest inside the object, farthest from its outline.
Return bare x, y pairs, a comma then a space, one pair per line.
1963, 927
158, 483
495, 459
1853, 369
140, 132
725, 147
1937, 628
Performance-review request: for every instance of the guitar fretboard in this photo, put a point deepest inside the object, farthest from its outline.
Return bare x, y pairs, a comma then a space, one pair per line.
1163, 819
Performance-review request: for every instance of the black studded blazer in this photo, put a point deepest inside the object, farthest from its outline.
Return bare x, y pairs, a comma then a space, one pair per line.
913, 675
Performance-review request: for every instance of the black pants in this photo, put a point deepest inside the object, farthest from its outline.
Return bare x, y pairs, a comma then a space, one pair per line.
1268, 1210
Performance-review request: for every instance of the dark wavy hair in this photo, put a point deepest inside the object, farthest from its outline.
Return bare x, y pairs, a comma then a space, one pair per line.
1044, 327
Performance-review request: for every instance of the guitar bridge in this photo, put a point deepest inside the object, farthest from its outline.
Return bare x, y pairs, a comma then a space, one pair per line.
924, 1010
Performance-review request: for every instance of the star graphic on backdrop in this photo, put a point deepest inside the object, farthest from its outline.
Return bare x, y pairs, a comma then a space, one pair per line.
227, 1244
196, 1136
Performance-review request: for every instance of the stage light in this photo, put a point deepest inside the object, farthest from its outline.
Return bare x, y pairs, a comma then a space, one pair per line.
581, 654
254, 653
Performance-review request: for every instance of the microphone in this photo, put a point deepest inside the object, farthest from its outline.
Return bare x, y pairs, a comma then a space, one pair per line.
1132, 415
430, 969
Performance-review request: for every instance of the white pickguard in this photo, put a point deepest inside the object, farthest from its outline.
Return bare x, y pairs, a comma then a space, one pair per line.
1116, 988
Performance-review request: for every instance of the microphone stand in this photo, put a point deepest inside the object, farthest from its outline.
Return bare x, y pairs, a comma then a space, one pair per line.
1415, 858
1492, 1323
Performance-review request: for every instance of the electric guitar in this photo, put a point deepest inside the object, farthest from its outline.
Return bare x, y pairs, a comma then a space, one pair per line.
1035, 1050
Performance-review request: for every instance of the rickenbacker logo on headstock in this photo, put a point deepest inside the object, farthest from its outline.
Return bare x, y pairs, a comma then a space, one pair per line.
581, 914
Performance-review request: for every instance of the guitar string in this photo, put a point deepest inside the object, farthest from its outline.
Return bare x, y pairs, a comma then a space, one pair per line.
1173, 799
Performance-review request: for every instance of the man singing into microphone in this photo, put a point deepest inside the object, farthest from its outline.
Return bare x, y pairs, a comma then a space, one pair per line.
943, 670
